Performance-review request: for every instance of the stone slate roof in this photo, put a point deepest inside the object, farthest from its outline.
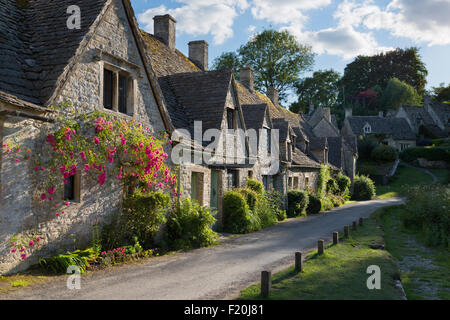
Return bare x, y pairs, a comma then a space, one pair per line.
283, 126
301, 159
335, 145
352, 142
318, 143
198, 96
254, 115
442, 110
397, 127
37, 46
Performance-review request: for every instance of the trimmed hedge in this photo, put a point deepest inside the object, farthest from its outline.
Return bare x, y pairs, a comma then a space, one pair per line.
314, 205
363, 188
383, 153
237, 215
431, 154
297, 203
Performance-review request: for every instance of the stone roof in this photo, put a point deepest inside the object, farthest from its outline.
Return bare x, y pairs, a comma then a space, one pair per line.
318, 143
414, 112
335, 145
37, 46
301, 159
254, 115
397, 127
283, 126
442, 110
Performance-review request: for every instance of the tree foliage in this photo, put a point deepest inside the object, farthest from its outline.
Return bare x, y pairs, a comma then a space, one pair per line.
368, 71
441, 93
276, 58
226, 61
398, 92
321, 89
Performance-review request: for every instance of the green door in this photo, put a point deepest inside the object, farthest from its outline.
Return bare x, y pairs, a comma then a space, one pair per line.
214, 203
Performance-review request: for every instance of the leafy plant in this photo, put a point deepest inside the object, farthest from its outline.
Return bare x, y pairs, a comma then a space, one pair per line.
383, 153
343, 183
255, 185
314, 205
60, 263
237, 216
297, 203
363, 188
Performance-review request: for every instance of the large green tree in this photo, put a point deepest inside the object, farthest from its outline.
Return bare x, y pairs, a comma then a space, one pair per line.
398, 92
369, 71
321, 89
227, 60
441, 93
276, 57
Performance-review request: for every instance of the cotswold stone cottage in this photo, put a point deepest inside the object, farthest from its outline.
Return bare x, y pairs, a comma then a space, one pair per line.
111, 66
395, 131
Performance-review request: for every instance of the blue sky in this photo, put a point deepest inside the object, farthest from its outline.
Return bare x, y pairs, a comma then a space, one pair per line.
337, 30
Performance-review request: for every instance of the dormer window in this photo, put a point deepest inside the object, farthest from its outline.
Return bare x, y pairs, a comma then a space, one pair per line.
230, 118
367, 129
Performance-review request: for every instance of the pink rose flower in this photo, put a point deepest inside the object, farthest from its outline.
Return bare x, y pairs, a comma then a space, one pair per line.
43, 196
96, 141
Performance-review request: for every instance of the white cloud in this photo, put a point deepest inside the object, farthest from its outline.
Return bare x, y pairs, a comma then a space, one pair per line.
251, 29
285, 11
421, 21
200, 17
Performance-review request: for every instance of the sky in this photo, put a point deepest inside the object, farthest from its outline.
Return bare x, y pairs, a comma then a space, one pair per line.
337, 30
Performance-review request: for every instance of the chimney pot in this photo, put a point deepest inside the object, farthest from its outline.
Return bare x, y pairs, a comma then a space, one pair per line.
272, 93
247, 79
164, 29
198, 52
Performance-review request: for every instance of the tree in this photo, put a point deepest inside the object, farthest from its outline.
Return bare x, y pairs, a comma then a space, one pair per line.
441, 93
276, 58
321, 89
368, 71
226, 61
398, 92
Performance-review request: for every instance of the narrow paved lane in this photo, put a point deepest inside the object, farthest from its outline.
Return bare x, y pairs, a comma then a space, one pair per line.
210, 273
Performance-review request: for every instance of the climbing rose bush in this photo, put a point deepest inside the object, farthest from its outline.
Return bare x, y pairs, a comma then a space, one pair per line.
107, 149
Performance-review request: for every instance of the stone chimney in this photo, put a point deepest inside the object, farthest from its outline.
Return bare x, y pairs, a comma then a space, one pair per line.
198, 52
246, 74
348, 112
164, 29
311, 108
272, 93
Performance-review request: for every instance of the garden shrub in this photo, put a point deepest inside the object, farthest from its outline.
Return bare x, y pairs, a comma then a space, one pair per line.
251, 196
255, 185
276, 203
428, 209
332, 186
237, 217
366, 144
190, 226
267, 216
383, 153
327, 204
363, 188
343, 183
143, 215
324, 176
431, 154
297, 203
314, 205
60, 263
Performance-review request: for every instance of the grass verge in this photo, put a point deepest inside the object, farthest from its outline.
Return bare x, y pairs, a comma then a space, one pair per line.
340, 273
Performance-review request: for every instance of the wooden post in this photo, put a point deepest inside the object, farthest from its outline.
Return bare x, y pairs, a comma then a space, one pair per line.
320, 246
298, 262
266, 283
360, 221
335, 237
354, 225
346, 231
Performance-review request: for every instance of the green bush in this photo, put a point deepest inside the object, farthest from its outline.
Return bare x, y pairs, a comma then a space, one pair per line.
324, 176
428, 209
443, 142
60, 263
332, 186
431, 154
366, 144
276, 203
314, 205
255, 185
343, 183
297, 203
267, 216
237, 217
383, 153
190, 226
251, 196
327, 204
363, 188
142, 216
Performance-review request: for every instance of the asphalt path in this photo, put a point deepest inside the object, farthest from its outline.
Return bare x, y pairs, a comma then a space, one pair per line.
218, 272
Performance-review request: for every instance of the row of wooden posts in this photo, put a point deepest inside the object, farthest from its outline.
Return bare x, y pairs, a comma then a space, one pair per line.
266, 276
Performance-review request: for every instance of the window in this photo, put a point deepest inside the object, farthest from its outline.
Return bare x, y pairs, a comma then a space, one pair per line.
296, 186
404, 146
72, 188
230, 118
118, 90
250, 173
290, 183
306, 182
197, 187
232, 179
367, 128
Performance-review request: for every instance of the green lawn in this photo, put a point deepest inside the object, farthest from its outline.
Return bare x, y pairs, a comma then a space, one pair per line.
425, 271
338, 274
404, 176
